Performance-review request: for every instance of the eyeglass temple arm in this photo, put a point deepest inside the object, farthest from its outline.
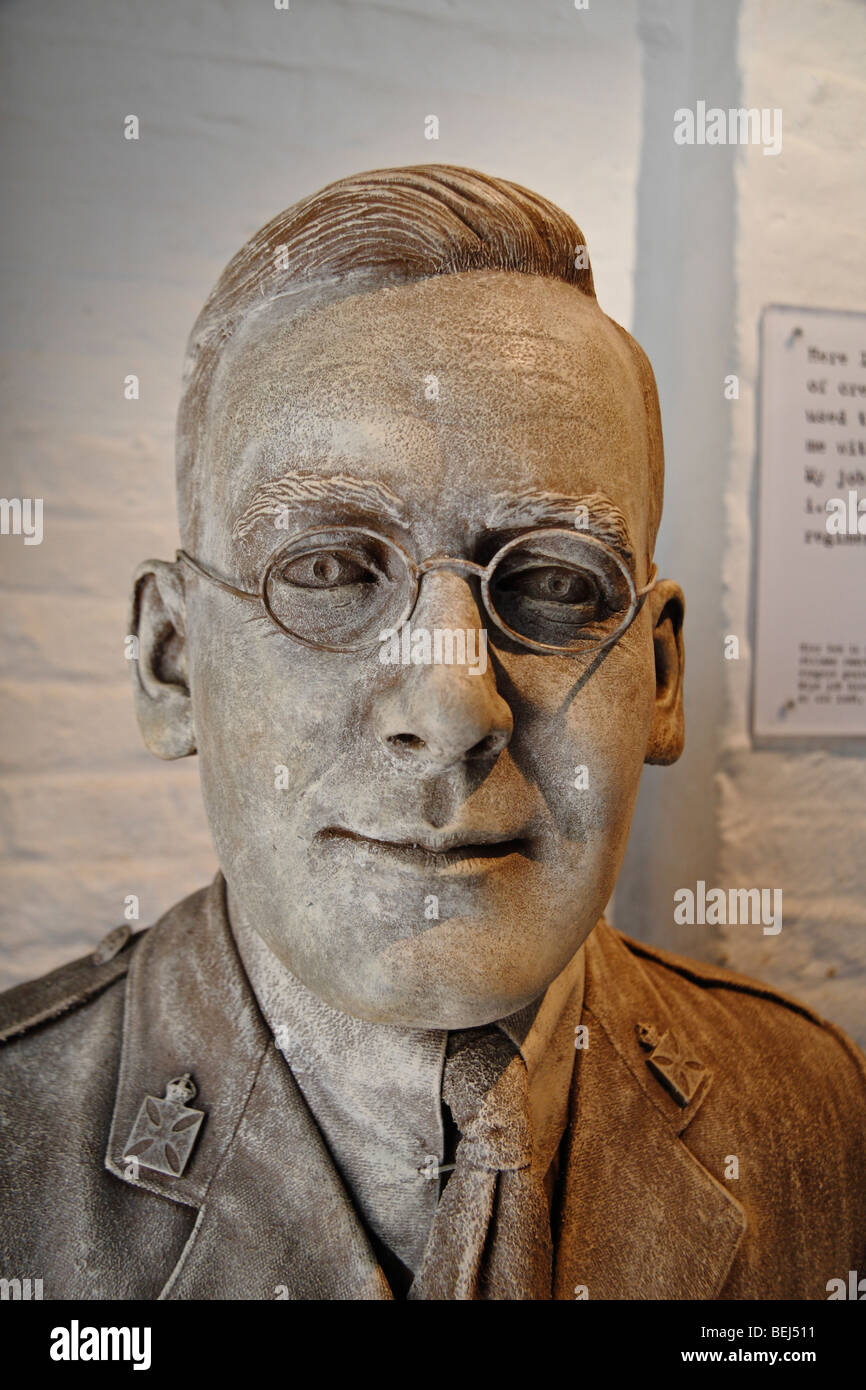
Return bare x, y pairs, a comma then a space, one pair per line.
181, 555
651, 585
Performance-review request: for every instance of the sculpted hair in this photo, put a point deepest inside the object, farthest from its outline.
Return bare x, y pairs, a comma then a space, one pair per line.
387, 227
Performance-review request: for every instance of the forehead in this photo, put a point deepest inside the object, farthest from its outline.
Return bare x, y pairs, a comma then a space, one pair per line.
444, 390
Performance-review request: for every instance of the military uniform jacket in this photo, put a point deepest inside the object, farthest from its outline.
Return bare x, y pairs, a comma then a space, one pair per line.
685, 1068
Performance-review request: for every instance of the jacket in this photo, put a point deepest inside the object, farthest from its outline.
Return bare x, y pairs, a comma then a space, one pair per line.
715, 1146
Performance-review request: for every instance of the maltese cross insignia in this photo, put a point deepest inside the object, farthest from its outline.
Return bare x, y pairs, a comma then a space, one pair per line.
680, 1074
165, 1130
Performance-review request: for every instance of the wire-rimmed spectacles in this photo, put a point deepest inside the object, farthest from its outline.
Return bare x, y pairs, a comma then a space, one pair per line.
346, 588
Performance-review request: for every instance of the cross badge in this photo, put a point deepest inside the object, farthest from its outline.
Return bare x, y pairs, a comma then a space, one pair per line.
165, 1130
680, 1074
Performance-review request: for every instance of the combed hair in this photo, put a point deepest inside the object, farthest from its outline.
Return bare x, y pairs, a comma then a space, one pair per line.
398, 225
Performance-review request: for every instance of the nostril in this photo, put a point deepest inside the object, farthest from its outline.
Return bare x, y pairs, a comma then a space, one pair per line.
408, 741
492, 743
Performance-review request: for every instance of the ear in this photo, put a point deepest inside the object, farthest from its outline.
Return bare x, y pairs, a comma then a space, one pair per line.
159, 674
667, 732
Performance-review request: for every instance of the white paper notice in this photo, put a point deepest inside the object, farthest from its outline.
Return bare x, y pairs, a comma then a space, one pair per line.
810, 610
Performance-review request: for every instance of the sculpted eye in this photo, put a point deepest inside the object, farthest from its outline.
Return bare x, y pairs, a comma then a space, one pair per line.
326, 569
551, 584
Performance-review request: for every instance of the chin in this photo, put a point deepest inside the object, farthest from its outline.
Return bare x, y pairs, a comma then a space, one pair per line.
432, 1014
445, 979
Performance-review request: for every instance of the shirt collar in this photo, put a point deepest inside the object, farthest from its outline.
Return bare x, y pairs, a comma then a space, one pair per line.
533, 1027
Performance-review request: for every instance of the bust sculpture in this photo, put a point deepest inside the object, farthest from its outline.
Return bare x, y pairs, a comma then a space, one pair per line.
416, 638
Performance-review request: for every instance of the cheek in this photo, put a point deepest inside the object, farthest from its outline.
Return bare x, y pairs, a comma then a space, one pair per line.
262, 703
582, 737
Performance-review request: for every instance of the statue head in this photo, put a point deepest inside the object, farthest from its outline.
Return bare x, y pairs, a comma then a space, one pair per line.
415, 634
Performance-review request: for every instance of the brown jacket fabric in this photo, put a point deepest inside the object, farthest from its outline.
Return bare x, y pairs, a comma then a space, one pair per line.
686, 1068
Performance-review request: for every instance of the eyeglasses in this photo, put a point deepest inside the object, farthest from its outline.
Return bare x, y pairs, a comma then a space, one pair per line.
344, 588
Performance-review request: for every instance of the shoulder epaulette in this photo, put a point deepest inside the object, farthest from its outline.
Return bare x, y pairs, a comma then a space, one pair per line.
36, 1001
707, 976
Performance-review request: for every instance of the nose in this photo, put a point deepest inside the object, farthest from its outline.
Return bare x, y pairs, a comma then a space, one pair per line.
437, 716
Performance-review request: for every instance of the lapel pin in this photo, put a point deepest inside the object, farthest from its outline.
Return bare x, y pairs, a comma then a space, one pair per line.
680, 1074
166, 1129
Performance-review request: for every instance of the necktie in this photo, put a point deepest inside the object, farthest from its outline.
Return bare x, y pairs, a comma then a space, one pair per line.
490, 1237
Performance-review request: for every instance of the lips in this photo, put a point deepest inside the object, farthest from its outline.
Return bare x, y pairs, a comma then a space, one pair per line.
431, 850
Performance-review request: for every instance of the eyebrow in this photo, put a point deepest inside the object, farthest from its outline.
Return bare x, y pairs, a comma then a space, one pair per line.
296, 491
533, 506
529, 507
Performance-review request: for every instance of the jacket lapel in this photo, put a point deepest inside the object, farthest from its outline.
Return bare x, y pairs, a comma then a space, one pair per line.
277, 1221
640, 1217
274, 1218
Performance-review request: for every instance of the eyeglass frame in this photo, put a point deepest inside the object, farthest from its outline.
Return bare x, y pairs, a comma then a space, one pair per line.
416, 572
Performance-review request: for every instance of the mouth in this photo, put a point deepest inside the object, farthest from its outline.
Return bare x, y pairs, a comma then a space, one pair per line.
463, 852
